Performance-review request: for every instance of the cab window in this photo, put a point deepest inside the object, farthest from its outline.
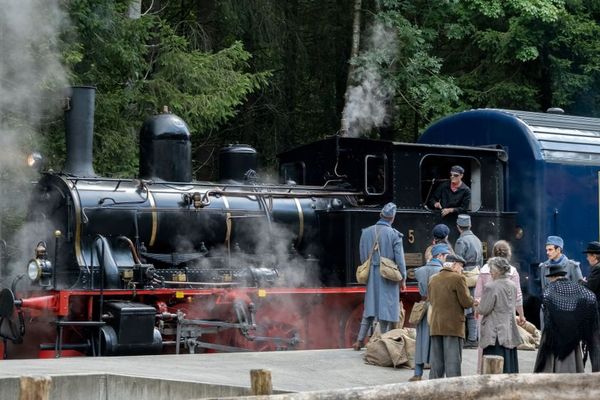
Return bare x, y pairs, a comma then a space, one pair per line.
375, 174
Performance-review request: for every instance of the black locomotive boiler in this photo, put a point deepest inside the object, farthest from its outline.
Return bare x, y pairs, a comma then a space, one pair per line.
162, 263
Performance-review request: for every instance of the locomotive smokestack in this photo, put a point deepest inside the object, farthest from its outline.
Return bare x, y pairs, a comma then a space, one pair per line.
79, 131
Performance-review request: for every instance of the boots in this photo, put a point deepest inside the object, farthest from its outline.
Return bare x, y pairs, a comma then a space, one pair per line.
359, 344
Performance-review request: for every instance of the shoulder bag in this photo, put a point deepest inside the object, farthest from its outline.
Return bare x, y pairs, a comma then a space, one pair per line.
418, 311
362, 272
472, 276
388, 268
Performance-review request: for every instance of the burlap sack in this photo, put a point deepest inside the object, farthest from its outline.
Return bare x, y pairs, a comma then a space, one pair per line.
531, 337
392, 349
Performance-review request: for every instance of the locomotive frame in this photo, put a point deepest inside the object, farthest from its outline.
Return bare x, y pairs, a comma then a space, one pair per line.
161, 263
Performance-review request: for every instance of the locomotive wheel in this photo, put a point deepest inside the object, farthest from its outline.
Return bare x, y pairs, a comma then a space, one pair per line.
273, 329
352, 326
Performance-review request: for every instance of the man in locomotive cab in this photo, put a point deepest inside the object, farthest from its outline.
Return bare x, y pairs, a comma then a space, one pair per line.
469, 247
382, 296
452, 196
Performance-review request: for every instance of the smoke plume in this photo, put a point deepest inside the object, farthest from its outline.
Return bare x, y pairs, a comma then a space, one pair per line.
366, 102
30, 68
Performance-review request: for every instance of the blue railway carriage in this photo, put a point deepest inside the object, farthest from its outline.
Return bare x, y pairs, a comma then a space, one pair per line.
552, 180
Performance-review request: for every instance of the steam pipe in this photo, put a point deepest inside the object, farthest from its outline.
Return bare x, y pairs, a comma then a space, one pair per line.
79, 131
109, 270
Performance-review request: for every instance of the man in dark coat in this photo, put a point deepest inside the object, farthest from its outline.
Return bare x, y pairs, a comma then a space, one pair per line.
570, 318
382, 298
448, 296
593, 257
452, 196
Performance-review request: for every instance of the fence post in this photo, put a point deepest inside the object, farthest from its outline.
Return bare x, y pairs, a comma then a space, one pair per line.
493, 364
260, 380
35, 387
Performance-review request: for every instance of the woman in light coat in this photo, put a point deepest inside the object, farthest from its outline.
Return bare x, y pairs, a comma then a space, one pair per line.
501, 249
499, 334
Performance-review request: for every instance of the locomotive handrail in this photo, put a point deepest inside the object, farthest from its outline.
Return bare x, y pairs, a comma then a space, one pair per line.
174, 185
243, 193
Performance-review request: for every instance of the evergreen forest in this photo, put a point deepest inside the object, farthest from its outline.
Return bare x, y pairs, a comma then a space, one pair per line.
275, 74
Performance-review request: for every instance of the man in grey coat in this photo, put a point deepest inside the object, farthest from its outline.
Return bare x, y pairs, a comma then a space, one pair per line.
382, 297
469, 247
554, 251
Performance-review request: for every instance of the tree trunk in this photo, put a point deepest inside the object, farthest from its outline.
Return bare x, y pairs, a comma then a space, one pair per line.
353, 53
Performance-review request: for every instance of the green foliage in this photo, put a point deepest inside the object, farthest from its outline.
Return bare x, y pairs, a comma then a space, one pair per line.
448, 55
141, 65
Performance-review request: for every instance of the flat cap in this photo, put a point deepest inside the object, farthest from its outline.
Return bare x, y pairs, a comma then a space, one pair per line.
440, 231
458, 169
454, 258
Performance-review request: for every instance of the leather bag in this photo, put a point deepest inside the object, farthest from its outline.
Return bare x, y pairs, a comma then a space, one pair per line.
418, 311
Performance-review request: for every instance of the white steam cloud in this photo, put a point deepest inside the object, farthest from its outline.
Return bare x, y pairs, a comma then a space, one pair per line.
30, 68
366, 103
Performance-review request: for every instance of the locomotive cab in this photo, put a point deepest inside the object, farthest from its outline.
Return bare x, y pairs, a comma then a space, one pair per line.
406, 174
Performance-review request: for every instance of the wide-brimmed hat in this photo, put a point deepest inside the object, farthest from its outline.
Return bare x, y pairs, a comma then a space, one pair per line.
556, 270
593, 248
454, 258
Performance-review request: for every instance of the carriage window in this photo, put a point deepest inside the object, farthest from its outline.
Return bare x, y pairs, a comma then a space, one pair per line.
293, 172
375, 176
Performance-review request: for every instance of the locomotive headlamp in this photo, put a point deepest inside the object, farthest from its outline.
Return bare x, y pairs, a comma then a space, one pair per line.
39, 270
35, 161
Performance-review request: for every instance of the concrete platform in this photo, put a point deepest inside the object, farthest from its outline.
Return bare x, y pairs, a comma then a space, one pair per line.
292, 371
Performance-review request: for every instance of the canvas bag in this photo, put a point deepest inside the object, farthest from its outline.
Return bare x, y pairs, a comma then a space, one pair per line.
471, 277
418, 311
388, 269
362, 272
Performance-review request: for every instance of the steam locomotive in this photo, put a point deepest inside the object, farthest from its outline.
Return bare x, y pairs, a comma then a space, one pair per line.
163, 264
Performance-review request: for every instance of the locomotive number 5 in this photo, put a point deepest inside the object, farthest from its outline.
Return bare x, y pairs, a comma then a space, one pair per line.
411, 236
